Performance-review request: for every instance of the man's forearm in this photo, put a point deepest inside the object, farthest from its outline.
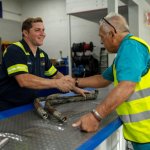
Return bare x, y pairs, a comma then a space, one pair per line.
95, 81
58, 75
34, 82
116, 97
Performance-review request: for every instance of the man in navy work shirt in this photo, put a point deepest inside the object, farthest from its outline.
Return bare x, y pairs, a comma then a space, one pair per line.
24, 66
130, 73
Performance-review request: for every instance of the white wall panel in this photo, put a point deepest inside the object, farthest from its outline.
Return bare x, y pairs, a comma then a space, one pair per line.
144, 29
56, 23
55, 20
74, 6
10, 30
12, 9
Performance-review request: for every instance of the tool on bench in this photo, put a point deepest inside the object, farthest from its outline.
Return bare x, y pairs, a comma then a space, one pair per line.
55, 99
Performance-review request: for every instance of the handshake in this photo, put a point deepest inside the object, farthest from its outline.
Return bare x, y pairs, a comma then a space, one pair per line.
67, 84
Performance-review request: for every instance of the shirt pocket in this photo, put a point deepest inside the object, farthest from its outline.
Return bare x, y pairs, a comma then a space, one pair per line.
42, 67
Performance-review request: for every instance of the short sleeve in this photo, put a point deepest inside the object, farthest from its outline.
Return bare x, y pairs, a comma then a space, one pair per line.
15, 60
50, 69
108, 74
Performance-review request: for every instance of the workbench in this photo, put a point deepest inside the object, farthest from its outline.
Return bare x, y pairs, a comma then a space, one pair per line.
26, 130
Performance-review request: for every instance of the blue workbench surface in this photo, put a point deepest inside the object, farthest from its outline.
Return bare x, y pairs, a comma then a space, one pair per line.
89, 144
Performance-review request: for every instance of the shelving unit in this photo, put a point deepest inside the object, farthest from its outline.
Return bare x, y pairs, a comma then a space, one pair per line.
83, 62
103, 60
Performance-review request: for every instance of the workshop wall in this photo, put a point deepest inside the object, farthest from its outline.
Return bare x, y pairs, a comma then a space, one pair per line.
85, 31
137, 19
10, 25
56, 23
144, 28
10, 30
12, 10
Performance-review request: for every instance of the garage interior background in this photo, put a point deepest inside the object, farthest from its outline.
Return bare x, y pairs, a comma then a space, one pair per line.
70, 21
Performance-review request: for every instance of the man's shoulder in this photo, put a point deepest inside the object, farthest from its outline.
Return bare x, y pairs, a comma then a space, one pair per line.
134, 45
129, 41
13, 49
13, 46
132, 40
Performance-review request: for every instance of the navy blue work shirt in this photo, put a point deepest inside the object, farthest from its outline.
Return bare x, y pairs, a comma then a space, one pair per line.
14, 62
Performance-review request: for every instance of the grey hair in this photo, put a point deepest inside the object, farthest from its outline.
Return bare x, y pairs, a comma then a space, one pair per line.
117, 20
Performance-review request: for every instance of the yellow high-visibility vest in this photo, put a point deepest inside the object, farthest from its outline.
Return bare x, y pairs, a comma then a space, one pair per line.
135, 111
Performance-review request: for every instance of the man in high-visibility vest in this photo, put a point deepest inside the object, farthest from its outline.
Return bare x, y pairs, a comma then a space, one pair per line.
24, 66
130, 73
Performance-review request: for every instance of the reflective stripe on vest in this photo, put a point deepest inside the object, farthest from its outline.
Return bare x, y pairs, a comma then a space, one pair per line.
135, 117
135, 112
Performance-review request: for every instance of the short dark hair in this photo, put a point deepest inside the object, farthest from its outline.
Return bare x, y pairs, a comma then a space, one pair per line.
27, 24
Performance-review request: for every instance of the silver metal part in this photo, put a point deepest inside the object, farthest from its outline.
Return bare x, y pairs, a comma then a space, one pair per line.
40, 109
55, 99
58, 115
59, 99
3, 142
42, 113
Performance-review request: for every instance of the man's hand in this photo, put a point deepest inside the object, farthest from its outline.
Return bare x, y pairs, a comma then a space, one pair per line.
68, 78
87, 123
80, 91
64, 85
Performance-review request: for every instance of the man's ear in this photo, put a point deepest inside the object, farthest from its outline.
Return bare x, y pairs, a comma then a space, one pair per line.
111, 33
25, 33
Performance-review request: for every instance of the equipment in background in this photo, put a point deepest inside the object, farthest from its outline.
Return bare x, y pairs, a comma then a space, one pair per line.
3, 46
60, 61
54, 99
83, 62
103, 64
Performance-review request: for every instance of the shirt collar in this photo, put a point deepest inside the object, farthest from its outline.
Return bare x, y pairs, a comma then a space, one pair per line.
127, 36
27, 48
